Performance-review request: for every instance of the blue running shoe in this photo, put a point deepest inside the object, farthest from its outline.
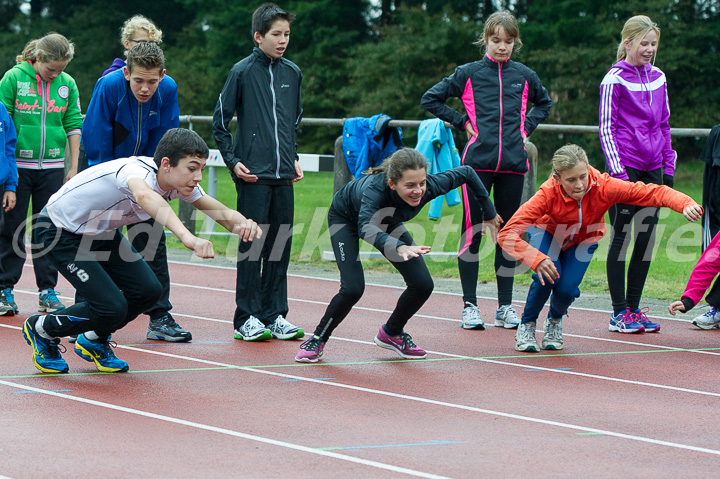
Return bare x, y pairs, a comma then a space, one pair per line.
641, 317
100, 352
625, 322
46, 354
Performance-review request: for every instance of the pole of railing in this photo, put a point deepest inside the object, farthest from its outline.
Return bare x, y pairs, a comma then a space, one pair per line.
186, 211
341, 172
531, 176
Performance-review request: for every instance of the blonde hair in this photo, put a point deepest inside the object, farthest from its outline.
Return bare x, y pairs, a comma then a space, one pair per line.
636, 27
503, 19
567, 157
53, 47
395, 165
138, 22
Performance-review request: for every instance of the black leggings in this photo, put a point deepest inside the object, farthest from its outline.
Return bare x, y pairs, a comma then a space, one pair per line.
507, 194
346, 245
106, 270
643, 220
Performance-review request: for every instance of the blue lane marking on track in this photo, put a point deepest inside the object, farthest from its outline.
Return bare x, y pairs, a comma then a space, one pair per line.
554, 369
38, 392
429, 443
317, 379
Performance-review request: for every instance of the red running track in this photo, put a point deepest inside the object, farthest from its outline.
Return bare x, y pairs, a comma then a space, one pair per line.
607, 405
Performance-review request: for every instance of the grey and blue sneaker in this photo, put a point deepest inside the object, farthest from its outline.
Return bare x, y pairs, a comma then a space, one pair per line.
46, 353
49, 302
165, 328
506, 317
553, 336
100, 352
471, 318
7, 302
525, 338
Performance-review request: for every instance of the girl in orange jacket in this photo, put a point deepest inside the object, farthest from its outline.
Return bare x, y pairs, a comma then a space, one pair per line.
565, 219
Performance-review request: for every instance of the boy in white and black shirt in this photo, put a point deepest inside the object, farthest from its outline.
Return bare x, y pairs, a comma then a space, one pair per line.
78, 230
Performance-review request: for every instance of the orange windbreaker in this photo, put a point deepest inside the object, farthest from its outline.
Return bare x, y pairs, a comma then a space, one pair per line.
575, 222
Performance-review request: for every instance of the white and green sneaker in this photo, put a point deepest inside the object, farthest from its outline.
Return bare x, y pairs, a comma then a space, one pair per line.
553, 337
281, 328
525, 338
253, 330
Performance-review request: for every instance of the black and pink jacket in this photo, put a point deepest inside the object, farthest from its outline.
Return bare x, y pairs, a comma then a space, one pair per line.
495, 96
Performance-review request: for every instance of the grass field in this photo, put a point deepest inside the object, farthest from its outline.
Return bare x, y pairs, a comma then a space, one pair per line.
676, 250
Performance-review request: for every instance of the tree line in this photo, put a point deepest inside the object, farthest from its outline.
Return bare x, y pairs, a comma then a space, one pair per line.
361, 57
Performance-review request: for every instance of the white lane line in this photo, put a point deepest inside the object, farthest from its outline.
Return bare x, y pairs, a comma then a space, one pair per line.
227, 432
439, 403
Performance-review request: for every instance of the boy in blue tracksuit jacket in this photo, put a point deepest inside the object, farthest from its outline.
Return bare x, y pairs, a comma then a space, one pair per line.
130, 111
8, 177
119, 125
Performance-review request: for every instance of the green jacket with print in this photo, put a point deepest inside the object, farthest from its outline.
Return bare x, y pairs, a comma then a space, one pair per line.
44, 113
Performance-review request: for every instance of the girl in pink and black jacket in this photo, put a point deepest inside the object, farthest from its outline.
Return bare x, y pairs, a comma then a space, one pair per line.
495, 92
635, 137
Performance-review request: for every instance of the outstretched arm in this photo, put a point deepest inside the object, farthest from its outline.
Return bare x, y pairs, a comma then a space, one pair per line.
158, 208
230, 219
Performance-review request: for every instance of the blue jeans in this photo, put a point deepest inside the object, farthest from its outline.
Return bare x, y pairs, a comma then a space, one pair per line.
571, 265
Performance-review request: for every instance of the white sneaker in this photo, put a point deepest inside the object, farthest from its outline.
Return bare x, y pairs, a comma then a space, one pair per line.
253, 330
525, 338
709, 320
506, 317
282, 329
471, 317
553, 337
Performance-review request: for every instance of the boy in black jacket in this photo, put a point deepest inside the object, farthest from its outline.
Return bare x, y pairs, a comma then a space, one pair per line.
263, 90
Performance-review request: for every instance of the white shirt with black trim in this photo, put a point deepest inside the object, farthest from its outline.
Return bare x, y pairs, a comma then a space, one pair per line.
98, 199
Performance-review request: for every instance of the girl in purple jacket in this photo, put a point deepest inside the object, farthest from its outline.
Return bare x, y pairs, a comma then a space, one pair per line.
705, 271
635, 137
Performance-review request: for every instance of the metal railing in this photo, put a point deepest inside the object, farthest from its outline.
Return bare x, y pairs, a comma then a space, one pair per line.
342, 175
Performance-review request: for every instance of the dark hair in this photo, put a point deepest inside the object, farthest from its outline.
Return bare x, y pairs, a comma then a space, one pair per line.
264, 17
146, 55
395, 165
179, 143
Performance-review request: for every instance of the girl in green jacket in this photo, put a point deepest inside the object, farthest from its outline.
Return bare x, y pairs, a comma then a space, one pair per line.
44, 104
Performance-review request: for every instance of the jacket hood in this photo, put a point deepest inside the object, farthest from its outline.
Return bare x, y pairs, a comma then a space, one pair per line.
27, 69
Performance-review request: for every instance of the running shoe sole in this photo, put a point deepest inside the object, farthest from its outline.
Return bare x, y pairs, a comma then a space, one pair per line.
472, 326
527, 348
707, 327
300, 333
499, 323
88, 356
264, 336
154, 335
625, 331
